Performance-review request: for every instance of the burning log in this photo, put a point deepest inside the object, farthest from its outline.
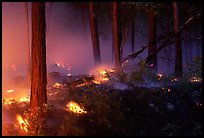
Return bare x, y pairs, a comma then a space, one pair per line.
74, 107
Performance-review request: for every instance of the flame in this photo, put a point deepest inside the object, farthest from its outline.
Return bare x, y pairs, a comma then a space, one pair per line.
9, 101
9, 91
57, 85
23, 123
96, 82
69, 74
74, 107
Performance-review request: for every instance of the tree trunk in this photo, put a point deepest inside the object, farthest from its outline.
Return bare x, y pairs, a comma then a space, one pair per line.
133, 35
39, 71
178, 53
94, 34
152, 36
28, 47
115, 32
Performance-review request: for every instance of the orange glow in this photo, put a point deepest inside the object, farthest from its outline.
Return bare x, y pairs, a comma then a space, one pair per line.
57, 85
96, 82
60, 64
9, 91
74, 107
23, 123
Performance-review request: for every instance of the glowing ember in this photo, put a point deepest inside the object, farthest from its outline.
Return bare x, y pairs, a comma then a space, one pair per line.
74, 107
57, 85
23, 123
169, 89
195, 79
83, 84
96, 82
60, 64
174, 79
151, 65
160, 76
10, 91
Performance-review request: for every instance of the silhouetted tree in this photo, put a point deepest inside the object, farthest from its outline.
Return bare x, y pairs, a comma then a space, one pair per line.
178, 53
152, 36
115, 32
94, 34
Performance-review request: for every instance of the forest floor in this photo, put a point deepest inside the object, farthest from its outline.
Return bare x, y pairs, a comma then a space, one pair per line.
106, 110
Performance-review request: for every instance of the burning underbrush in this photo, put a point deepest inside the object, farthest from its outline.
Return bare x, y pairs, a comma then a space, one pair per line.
108, 102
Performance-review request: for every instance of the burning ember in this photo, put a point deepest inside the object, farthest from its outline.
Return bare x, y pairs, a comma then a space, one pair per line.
74, 107
23, 123
60, 64
160, 76
9, 91
96, 82
174, 79
195, 79
57, 85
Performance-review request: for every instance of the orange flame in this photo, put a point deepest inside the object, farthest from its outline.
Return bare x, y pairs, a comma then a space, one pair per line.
57, 85
74, 107
23, 123
9, 91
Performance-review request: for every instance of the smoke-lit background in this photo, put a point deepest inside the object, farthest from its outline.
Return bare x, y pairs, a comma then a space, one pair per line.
68, 39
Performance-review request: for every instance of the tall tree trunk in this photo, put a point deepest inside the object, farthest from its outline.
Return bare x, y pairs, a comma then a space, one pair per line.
28, 47
151, 36
39, 70
133, 35
94, 34
178, 53
115, 32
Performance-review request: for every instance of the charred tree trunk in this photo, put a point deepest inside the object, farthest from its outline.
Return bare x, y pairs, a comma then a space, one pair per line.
178, 53
28, 47
39, 71
115, 32
133, 35
152, 36
94, 34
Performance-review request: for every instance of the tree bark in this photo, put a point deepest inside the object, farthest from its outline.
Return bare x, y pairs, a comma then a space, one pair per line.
28, 47
94, 34
178, 52
115, 33
39, 71
152, 36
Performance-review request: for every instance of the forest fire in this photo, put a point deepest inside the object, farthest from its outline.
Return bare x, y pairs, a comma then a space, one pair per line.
8, 101
57, 85
22, 122
74, 107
